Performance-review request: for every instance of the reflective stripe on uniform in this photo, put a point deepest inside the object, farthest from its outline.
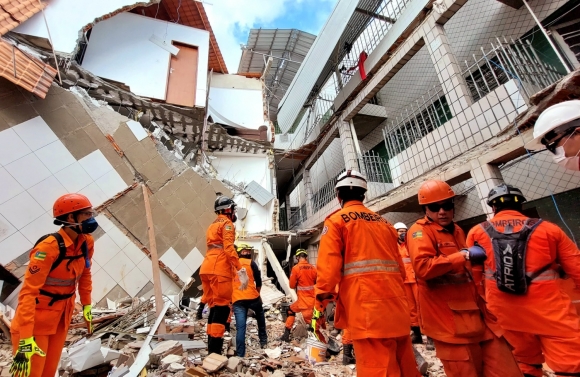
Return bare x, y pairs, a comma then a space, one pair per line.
215, 246
373, 265
406, 260
54, 282
307, 288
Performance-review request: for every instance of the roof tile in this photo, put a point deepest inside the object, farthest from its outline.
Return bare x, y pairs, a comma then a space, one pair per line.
14, 12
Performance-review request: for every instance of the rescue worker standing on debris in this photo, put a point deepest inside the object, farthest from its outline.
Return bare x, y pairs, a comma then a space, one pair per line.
359, 252
410, 284
447, 294
216, 271
524, 256
59, 263
558, 130
248, 299
302, 279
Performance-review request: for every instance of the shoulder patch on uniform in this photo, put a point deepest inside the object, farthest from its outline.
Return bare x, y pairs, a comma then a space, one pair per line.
418, 234
40, 255
33, 270
228, 227
324, 230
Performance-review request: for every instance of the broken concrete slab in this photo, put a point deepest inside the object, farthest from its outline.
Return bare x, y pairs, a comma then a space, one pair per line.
214, 362
233, 363
164, 349
195, 372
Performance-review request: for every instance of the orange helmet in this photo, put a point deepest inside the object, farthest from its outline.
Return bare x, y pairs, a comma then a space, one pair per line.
69, 203
433, 191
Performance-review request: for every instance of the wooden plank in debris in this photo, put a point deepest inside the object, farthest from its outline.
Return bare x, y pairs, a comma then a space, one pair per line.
104, 318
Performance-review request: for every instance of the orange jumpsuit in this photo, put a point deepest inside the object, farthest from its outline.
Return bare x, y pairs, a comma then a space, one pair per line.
42, 316
358, 251
217, 275
302, 278
449, 305
410, 285
543, 320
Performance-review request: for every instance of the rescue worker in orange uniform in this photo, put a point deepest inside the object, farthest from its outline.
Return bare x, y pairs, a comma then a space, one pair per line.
59, 264
359, 252
216, 271
522, 284
447, 293
248, 299
302, 279
410, 284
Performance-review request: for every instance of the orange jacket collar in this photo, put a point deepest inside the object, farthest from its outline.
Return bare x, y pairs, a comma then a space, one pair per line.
509, 213
67, 241
303, 261
351, 203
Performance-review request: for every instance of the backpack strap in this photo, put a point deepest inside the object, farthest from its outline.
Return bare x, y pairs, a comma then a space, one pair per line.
61, 248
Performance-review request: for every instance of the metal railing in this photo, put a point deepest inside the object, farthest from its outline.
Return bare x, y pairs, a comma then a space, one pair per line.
505, 61
375, 168
416, 121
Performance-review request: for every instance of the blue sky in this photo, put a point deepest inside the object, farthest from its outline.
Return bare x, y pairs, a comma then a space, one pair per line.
232, 20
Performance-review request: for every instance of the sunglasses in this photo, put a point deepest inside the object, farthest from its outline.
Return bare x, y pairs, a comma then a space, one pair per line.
447, 206
553, 138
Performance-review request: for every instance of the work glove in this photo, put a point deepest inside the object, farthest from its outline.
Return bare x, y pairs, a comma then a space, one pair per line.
476, 254
21, 364
316, 315
88, 315
244, 280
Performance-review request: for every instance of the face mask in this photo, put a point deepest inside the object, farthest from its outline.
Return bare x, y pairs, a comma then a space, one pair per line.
570, 163
402, 237
88, 226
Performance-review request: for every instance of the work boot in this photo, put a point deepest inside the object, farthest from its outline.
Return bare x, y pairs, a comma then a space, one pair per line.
199, 311
416, 336
286, 336
348, 354
430, 344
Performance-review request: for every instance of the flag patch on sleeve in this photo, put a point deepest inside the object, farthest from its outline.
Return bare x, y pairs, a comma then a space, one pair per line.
418, 234
228, 227
40, 255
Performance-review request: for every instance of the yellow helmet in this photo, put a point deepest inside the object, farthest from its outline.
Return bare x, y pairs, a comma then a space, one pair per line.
301, 252
244, 246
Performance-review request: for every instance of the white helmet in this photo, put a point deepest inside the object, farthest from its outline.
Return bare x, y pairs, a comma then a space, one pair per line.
351, 178
552, 118
400, 226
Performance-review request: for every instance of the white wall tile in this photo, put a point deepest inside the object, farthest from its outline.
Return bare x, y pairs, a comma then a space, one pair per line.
96, 164
13, 247
104, 222
119, 237
11, 147
74, 178
94, 267
105, 250
183, 271
35, 133
193, 259
134, 282
47, 191
171, 258
95, 194
137, 130
146, 268
28, 170
102, 284
119, 267
9, 186
55, 156
6, 229
39, 227
21, 210
168, 286
111, 183
134, 253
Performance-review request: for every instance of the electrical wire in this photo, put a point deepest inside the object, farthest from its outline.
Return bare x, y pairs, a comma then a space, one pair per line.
530, 155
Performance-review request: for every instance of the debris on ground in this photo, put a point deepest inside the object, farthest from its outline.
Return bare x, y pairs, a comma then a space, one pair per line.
121, 330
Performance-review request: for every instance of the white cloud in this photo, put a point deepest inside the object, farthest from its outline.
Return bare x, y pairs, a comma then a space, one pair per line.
231, 19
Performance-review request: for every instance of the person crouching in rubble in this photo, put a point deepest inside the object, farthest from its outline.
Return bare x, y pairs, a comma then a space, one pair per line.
448, 298
302, 278
59, 264
248, 299
523, 287
359, 252
216, 271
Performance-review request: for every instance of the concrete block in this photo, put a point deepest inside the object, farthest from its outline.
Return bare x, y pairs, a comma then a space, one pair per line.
79, 144
185, 192
137, 154
214, 362
124, 137
233, 363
